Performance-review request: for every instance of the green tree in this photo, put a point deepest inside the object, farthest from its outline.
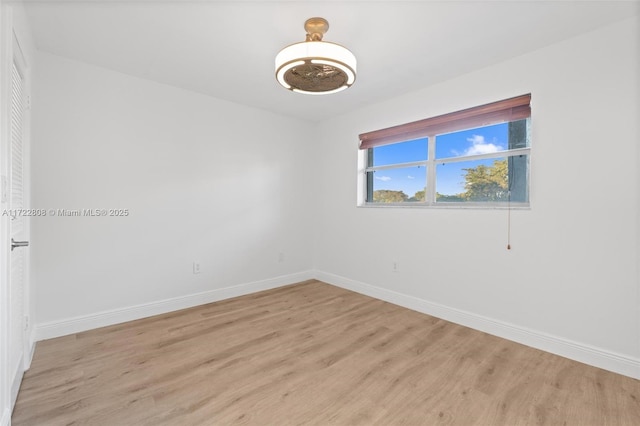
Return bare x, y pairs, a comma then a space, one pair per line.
449, 198
487, 183
418, 196
389, 196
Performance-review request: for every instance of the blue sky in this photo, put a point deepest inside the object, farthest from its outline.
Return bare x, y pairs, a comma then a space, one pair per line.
450, 176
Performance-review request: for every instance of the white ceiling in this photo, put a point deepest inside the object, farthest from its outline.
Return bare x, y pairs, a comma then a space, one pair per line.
226, 49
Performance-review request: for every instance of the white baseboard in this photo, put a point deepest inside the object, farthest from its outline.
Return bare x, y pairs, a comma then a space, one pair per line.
101, 319
587, 354
31, 348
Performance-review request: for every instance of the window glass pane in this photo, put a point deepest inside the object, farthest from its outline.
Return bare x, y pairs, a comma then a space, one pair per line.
483, 180
519, 134
483, 140
398, 185
403, 152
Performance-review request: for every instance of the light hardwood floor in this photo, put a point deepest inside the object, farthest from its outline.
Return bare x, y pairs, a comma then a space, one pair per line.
311, 354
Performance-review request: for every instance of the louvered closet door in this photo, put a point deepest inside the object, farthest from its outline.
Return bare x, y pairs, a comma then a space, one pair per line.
17, 224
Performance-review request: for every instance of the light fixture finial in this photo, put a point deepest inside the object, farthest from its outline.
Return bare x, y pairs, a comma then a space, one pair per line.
316, 28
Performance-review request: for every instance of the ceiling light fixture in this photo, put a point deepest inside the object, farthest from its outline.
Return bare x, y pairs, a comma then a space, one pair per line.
315, 67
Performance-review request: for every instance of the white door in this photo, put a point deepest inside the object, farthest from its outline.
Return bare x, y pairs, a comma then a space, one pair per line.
18, 224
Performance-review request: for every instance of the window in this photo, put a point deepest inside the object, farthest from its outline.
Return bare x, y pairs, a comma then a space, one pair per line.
474, 157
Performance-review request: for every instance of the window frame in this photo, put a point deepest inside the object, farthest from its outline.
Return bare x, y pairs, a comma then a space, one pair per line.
508, 110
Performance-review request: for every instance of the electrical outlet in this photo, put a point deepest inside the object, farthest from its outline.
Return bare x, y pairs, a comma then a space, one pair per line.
26, 322
281, 257
395, 266
196, 267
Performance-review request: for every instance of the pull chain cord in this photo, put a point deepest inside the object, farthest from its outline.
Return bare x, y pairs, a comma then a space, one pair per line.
509, 220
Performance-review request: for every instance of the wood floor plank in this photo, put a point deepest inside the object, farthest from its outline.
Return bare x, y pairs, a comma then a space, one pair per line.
311, 354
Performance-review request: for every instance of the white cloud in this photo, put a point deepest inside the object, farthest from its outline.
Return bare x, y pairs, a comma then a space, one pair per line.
410, 177
383, 178
481, 146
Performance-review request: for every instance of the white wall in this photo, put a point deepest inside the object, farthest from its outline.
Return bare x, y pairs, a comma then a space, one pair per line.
570, 282
204, 180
